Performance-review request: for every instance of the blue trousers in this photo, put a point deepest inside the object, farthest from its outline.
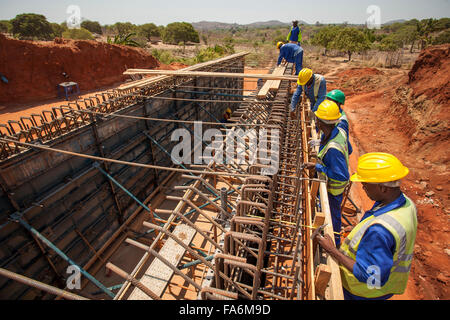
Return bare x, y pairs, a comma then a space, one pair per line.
335, 209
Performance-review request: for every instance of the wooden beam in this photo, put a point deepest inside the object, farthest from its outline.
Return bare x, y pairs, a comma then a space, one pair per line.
322, 278
210, 74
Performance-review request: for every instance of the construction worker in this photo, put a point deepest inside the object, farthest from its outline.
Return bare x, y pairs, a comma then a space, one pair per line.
226, 116
315, 87
375, 259
295, 35
338, 97
291, 53
333, 160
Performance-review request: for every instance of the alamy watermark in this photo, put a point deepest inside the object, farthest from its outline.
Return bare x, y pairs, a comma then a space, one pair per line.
374, 19
74, 19
374, 280
74, 280
236, 146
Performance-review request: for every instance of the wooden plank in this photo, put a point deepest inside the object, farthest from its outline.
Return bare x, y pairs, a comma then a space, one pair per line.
271, 85
262, 94
210, 74
279, 71
159, 274
322, 278
319, 219
334, 291
148, 81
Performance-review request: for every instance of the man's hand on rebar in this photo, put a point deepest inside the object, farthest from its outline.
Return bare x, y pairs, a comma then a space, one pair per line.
310, 165
293, 115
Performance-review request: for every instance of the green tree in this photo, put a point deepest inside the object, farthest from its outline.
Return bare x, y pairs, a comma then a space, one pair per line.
406, 35
92, 26
370, 34
424, 29
5, 26
442, 24
57, 29
390, 43
442, 38
177, 32
350, 40
31, 26
78, 34
125, 28
148, 30
325, 37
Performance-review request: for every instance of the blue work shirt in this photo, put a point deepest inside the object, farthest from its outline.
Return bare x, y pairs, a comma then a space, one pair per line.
310, 94
377, 247
334, 162
294, 34
289, 52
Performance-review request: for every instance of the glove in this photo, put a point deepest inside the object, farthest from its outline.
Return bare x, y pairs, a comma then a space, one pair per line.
314, 143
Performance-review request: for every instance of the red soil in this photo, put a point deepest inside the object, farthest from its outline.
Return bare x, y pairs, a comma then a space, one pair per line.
408, 117
34, 68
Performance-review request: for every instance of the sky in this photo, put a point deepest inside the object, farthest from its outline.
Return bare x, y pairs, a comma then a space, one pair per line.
163, 12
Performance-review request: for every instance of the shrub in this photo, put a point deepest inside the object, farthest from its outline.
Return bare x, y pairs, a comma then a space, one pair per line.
92, 26
30, 26
78, 34
5, 26
178, 32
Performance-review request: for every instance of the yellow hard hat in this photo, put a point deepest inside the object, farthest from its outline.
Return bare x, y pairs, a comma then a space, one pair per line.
228, 111
279, 44
304, 75
379, 167
328, 110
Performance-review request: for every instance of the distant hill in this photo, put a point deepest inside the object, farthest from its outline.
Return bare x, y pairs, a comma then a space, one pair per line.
394, 21
213, 25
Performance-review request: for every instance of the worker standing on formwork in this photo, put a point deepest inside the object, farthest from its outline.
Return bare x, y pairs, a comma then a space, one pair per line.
375, 259
333, 159
315, 87
295, 35
291, 53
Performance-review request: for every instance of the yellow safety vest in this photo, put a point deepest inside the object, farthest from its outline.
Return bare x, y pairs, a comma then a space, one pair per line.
335, 187
402, 224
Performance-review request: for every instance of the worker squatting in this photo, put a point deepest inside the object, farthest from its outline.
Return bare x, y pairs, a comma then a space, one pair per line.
375, 258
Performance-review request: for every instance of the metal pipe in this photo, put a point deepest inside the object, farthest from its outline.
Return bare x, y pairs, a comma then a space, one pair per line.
41, 286
62, 255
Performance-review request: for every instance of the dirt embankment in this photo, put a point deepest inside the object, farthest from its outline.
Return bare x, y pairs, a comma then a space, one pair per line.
34, 68
408, 115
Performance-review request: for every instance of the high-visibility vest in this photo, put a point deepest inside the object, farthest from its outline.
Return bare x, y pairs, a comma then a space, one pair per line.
299, 35
339, 142
402, 224
317, 80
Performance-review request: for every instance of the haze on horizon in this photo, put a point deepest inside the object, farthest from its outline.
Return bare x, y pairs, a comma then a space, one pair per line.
231, 11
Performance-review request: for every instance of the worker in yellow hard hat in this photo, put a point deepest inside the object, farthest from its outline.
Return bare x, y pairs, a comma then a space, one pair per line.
315, 87
375, 259
226, 116
333, 160
291, 53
